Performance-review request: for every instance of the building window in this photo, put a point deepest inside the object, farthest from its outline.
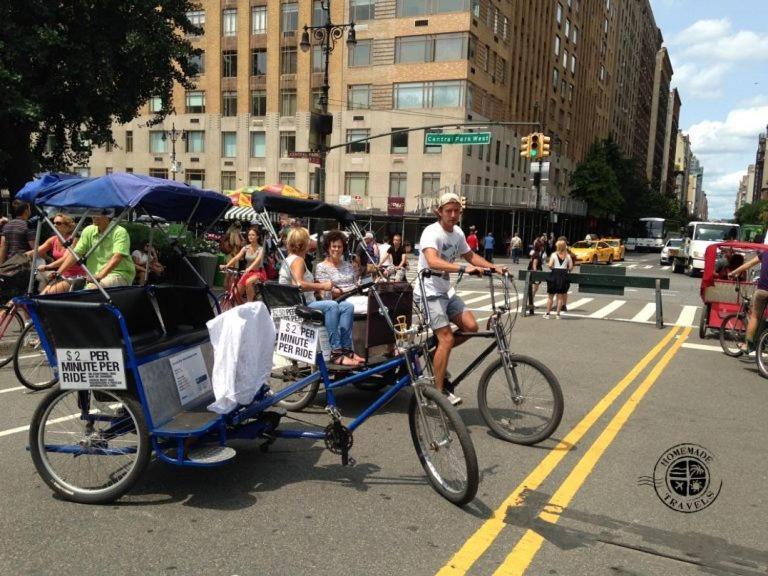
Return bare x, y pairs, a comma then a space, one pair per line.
195, 102
288, 178
258, 102
565, 59
412, 49
317, 94
287, 143
359, 97
605, 26
155, 104
157, 142
399, 143
430, 183
498, 151
557, 45
228, 144
573, 64
195, 142
290, 17
288, 102
318, 14
431, 148
407, 8
602, 73
444, 94
567, 28
229, 22
229, 64
318, 59
559, 13
570, 92
258, 62
398, 184
575, 34
360, 10
360, 54
258, 20
129, 140
288, 60
129, 170
555, 78
359, 147
197, 61
228, 180
256, 179
506, 156
197, 18
229, 103
195, 178
258, 145
154, 172
356, 183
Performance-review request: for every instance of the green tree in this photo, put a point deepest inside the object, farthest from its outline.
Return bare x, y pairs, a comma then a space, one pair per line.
69, 69
754, 213
595, 182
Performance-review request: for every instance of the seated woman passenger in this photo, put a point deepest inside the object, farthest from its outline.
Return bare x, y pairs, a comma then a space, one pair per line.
339, 316
65, 226
152, 271
334, 268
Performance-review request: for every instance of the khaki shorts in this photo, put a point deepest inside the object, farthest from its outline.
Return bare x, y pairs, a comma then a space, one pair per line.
759, 300
442, 309
109, 281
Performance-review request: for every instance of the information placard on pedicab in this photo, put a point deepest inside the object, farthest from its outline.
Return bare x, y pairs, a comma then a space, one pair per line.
297, 341
190, 374
91, 368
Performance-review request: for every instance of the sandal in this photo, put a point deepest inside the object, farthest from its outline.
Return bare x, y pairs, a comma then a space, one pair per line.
351, 354
340, 359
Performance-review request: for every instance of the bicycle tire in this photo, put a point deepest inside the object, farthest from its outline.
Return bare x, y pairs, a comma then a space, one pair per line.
733, 334
703, 322
75, 470
35, 373
10, 334
508, 422
281, 378
761, 354
226, 302
459, 491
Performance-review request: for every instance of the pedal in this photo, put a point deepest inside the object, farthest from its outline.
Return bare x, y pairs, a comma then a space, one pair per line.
211, 455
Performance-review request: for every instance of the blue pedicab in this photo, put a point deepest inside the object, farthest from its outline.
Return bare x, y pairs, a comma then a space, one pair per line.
133, 364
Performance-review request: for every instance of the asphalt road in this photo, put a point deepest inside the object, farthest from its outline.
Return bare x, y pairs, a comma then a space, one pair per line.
576, 504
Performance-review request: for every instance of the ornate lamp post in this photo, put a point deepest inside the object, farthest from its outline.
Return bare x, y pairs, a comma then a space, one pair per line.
174, 135
326, 35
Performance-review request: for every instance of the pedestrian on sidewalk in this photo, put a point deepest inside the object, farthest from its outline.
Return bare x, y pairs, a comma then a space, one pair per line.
489, 243
517, 245
472, 240
534, 265
560, 264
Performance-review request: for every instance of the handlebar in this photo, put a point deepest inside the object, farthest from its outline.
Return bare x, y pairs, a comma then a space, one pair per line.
427, 272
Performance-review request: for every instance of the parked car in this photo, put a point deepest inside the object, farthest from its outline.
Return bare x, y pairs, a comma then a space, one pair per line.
670, 249
618, 247
592, 252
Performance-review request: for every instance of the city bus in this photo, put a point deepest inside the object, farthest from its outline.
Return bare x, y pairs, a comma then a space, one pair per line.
652, 234
699, 235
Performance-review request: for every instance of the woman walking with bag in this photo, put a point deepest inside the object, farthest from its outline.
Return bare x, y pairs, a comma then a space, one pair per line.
560, 264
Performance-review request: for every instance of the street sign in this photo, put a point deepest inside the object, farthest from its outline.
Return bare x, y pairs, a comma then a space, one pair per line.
345, 200
313, 157
466, 138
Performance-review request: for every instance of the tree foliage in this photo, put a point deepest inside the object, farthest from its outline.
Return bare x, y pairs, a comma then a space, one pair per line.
70, 68
595, 182
754, 213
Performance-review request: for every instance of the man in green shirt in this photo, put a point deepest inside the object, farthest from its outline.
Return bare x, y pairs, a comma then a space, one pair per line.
111, 262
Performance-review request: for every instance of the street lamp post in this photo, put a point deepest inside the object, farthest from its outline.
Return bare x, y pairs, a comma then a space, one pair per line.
174, 135
326, 35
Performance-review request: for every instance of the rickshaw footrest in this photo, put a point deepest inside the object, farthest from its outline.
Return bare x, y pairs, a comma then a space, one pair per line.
207, 455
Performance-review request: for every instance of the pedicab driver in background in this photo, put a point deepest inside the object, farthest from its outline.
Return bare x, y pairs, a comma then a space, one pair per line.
441, 244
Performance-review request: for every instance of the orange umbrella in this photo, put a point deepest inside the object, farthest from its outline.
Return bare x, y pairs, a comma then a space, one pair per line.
242, 196
284, 190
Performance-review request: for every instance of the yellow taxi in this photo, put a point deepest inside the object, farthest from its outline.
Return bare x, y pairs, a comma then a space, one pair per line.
618, 247
592, 252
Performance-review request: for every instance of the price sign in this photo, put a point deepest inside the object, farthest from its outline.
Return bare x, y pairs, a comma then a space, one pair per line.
91, 368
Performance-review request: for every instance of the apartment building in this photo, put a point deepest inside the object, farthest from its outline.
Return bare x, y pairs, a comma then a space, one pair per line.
670, 143
657, 140
760, 186
682, 167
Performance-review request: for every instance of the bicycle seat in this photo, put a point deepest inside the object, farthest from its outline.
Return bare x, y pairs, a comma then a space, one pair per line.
310, 314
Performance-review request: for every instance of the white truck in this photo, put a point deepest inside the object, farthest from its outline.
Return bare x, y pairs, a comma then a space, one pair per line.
699, 235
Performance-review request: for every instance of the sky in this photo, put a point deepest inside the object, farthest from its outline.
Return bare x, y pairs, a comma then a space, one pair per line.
719, 54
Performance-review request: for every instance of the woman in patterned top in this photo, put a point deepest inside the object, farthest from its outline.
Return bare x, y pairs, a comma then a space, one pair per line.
340, 272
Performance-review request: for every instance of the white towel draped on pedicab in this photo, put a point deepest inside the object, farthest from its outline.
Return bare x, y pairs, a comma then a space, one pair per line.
243, 341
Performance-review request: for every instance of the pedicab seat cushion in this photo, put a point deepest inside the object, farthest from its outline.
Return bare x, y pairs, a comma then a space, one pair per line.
725, 291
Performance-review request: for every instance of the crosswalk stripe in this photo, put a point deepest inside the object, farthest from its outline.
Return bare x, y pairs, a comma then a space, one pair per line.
707, 347
687, 315
632, 266
579, 303
14, 389
489, 307
614, 265
665, 267
645, 314
647, 267
478, 299
605, 310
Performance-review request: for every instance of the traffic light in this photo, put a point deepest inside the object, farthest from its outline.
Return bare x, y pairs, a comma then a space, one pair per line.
463, 202
535, 151
525, 146
545, 145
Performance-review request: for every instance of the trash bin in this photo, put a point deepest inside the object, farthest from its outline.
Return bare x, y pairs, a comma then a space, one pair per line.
206, 265
219, 278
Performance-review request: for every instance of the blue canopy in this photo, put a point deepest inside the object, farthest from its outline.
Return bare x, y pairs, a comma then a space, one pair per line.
159, 197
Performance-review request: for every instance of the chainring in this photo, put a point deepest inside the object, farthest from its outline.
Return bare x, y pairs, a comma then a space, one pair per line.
338, 438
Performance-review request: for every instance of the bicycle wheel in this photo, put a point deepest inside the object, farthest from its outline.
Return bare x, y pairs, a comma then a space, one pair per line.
526, 411
283, 376
89, 446
733, 334
444, 447
30, 362
226, 302
11, 327
761, 352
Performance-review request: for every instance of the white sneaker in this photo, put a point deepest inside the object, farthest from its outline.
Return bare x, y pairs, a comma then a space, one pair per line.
557, 317
546, 316
452, 398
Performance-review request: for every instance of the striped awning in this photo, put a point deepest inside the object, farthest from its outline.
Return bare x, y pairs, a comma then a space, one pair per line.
242, 213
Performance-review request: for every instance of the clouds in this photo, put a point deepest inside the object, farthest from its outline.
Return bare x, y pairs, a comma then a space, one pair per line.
700, 81
715, 40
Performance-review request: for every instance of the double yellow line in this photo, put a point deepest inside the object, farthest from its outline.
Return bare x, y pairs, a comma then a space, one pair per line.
527, 547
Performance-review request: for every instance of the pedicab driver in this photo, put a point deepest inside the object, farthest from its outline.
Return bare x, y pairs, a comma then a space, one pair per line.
441, 244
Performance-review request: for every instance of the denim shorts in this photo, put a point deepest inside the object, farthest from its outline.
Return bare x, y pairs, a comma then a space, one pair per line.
442, 309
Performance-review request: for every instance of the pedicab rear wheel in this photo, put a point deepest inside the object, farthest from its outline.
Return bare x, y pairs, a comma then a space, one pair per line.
446, 452
733, 335
703, 322
761, 352
89, 446
30, 362
12, 328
